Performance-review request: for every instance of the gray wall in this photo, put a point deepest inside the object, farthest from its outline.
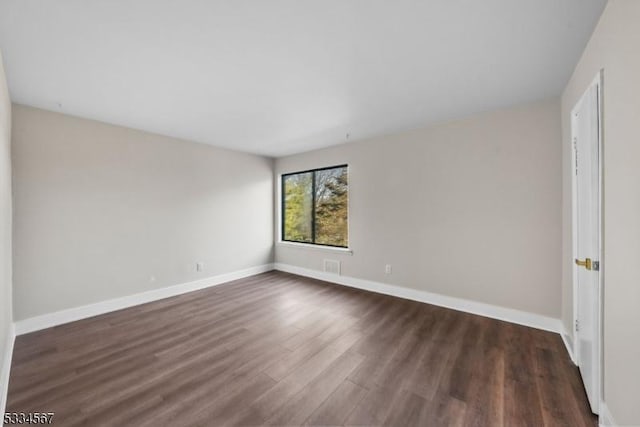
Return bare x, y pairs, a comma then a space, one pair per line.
614, 47
6, 316
99, 209
469, 208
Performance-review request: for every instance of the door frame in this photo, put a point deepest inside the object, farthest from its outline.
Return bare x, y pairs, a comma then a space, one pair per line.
598, 338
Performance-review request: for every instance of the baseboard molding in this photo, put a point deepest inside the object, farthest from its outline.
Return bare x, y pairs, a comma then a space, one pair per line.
6, 367
501, 313
568, 343
77, 313
606, 419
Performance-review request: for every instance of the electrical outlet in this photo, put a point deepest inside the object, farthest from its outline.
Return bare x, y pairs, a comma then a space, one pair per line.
387, 269
199, 266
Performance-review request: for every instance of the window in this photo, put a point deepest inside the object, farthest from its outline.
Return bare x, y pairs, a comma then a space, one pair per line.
315, 207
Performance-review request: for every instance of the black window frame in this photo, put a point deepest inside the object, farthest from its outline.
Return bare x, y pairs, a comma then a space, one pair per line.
313, 204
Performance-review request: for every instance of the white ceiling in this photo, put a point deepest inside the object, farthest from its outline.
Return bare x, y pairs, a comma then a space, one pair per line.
283, 76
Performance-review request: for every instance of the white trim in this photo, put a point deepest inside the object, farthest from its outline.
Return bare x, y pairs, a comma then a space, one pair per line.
574, 233
6, 368
77, 313
605, 418
298, 245
495, 312
568, 343
602, 262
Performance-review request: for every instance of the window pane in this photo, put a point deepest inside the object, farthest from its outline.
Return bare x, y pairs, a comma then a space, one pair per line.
298, 203
332, 201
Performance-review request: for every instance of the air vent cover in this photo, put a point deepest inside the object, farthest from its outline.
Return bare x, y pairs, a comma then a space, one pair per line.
332, 266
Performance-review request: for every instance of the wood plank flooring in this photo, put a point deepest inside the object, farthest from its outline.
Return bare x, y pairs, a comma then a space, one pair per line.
279, 349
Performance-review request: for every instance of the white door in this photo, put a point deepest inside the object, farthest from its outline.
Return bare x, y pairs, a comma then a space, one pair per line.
587, 253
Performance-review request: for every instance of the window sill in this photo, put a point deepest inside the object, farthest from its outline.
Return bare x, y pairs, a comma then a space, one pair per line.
345, 251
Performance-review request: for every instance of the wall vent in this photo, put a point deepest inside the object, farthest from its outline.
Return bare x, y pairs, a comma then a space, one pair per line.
332, 266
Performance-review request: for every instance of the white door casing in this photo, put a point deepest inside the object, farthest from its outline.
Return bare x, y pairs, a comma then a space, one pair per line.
587, 242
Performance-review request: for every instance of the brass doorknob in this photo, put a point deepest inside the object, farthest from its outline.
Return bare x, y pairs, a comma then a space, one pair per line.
586, 263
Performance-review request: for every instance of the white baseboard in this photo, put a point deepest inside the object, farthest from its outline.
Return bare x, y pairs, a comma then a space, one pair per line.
501, 313
6, 368
77, 313
606, 419
568, 343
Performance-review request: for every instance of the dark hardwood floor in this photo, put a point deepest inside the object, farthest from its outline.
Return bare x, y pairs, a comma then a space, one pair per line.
278, 349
